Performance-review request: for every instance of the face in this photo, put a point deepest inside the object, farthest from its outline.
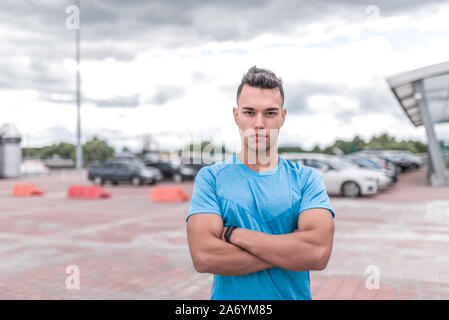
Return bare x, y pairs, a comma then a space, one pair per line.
259, 116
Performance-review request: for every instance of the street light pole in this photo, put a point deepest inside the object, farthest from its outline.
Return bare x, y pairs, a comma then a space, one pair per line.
79, 150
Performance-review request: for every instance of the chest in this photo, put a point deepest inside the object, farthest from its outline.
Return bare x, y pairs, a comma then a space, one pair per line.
256, 203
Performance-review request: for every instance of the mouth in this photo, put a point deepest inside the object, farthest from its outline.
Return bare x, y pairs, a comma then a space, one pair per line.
258, 136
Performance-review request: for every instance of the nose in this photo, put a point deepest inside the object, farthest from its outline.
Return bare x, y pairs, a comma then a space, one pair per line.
259, 124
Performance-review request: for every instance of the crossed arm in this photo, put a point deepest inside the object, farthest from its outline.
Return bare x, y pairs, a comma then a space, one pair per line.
308, 248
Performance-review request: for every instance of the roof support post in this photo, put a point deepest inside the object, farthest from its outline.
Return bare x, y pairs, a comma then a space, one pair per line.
437, 168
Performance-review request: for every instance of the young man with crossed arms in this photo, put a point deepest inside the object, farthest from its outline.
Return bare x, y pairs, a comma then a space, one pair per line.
257, 221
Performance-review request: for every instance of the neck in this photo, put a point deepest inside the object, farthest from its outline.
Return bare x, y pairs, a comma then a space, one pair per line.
259, 161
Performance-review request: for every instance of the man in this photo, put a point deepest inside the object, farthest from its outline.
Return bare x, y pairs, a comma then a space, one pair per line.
259, 222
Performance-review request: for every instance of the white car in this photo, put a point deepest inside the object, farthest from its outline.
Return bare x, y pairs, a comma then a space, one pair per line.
390, 176
33, 167
383, 179
339, 178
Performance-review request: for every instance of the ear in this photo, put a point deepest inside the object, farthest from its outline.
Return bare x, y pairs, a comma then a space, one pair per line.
235, 111
283, 114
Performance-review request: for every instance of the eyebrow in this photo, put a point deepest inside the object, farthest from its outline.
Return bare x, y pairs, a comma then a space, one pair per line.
267, 109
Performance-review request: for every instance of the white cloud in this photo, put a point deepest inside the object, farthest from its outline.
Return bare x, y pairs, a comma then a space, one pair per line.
357, 55
331, 104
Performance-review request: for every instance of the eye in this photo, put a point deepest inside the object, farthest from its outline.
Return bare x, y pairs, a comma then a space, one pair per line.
271, 113
248, 112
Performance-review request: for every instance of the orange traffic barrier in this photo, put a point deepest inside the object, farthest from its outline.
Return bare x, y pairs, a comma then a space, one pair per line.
168, 194
87, 192
26, 189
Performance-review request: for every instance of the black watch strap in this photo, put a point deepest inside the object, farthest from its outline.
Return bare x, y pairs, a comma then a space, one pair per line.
228, 233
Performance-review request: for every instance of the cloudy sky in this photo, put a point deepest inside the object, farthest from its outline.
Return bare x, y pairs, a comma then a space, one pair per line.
171, 68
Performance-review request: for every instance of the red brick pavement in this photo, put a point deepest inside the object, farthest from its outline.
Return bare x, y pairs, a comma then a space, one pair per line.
128, 247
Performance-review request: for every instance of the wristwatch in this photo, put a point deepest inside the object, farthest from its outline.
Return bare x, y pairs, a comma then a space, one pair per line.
228, 233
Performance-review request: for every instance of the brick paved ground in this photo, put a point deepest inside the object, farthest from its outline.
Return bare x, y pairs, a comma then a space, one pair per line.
127, 247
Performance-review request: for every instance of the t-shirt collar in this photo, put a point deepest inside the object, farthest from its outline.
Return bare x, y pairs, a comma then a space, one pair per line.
259, 173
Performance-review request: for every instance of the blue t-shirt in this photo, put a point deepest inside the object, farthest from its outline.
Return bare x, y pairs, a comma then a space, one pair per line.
269, 201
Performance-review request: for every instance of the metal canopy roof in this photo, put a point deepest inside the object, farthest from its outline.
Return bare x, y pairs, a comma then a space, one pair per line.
435, 79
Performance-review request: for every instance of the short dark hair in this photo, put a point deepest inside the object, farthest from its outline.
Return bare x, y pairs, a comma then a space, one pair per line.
261, 78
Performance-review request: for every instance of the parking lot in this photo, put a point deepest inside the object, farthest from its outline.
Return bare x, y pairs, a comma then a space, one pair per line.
128, 247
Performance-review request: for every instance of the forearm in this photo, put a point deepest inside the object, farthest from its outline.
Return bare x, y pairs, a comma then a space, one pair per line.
296, 251
220, 257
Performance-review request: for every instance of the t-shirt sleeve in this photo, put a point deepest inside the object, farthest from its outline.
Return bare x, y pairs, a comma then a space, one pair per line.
204, 197
314, 193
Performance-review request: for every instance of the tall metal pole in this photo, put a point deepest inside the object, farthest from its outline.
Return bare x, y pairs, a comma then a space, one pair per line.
79, 150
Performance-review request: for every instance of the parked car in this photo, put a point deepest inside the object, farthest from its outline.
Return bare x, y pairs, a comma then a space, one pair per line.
30, 167
339, 179
402, 159
384, 180
194, 166
405, 159
367, 163
157, 172
383, 162
117, 172
175, 172
195, 163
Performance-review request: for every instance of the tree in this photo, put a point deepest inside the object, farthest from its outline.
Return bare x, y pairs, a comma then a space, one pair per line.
97, 150
63, 150
357, 144
383, 141
205, 144
289, 149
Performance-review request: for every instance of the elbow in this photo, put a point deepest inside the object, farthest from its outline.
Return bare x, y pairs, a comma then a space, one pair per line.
200, 263
322, 258
321, 266
316, 262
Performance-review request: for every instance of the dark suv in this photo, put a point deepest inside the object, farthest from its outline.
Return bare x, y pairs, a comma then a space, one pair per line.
173, 171
116, 172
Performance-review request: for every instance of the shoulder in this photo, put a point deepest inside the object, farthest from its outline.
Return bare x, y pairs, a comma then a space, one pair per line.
216, 169
303, 173
300, 169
